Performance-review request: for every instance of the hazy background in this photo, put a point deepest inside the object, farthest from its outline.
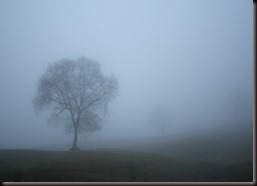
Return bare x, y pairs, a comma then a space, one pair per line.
183, 67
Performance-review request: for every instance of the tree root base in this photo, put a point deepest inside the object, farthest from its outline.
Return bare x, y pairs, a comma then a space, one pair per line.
74, 149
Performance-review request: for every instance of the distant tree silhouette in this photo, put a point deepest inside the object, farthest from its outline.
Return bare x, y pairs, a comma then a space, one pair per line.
76, 90
161, 119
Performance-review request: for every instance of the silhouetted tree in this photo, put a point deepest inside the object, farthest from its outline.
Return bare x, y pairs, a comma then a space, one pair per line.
161, 119
77, 90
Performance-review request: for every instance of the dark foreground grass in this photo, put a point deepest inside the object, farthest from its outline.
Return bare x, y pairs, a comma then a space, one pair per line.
114, 166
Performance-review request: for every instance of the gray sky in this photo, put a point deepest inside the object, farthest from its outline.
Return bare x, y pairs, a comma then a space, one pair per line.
193, 59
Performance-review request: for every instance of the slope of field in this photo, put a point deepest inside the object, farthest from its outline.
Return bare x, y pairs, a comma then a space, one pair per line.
115, 166
225, 148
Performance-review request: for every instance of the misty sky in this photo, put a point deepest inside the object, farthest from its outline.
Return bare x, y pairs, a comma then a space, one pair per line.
189, 63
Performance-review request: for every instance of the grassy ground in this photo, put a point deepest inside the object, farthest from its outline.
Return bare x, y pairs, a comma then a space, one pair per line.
114, 165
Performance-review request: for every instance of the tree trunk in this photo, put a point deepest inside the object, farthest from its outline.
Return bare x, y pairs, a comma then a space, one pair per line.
75, 139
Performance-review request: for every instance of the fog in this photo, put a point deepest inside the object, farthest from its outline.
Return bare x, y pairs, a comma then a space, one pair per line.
184, 67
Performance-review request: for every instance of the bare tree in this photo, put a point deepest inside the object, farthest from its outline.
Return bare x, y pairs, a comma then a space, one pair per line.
77, 91
161, 118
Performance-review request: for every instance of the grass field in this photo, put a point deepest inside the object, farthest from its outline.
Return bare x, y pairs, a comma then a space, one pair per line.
114, 165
